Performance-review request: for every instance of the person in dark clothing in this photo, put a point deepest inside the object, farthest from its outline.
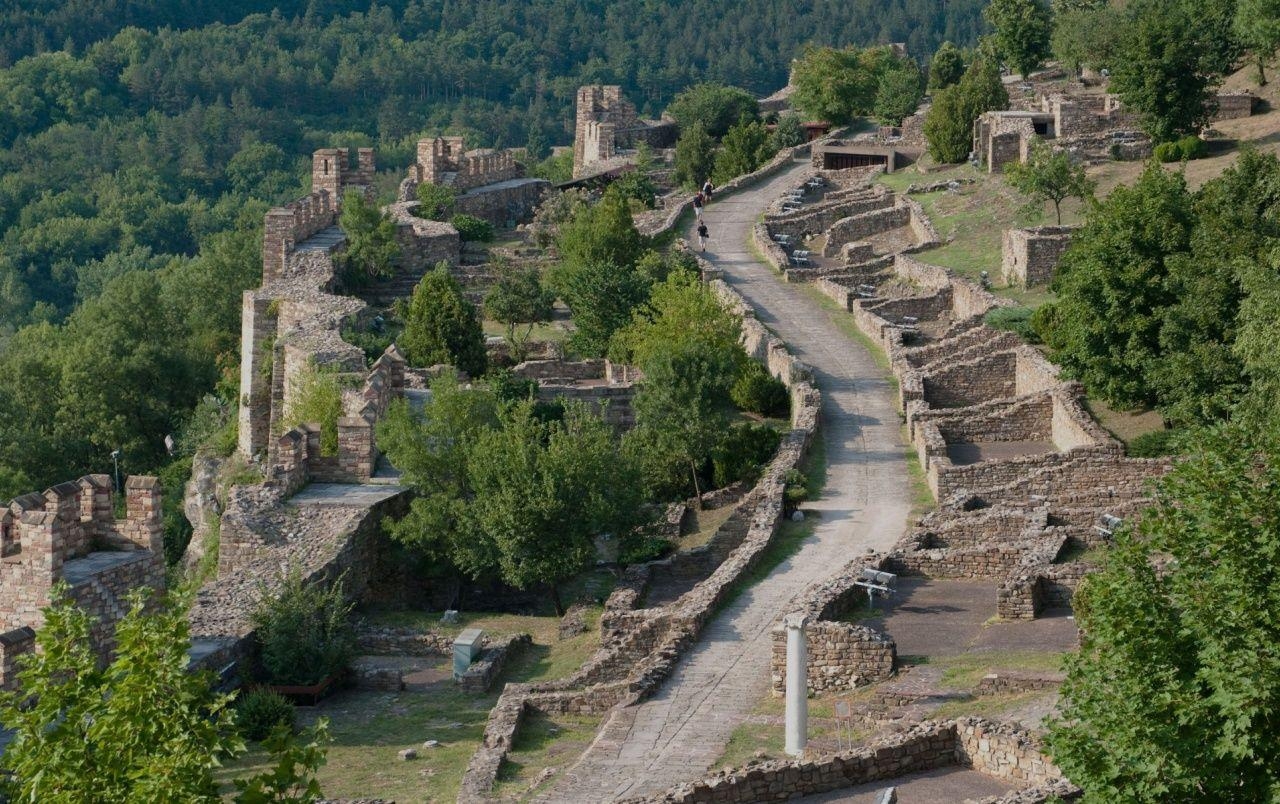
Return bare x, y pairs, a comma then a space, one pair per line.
702, 236
697, 206
707, 188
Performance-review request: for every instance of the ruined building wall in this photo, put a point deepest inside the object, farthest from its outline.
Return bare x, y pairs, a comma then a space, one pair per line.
70, 534
606, 123
1030, 256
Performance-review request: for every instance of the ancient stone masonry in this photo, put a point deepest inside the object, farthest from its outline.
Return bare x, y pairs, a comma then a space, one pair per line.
640, 647
1089, 125
70, 535
606, 127
1003, 751
605, 387
1233, 104
1031, 256
489, 184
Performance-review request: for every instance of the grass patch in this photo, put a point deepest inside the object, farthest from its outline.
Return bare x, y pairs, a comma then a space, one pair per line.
764, 732
1125, 425
991, 706
922, 500
370, 728
965, 670
700, 526
1076, 551
544, 741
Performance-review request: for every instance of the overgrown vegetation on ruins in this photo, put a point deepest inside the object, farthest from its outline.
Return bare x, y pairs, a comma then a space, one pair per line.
143, 728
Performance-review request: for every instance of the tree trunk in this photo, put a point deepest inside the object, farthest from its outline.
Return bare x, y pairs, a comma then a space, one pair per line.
693, 470
1057, 210
1262, 71
555, 600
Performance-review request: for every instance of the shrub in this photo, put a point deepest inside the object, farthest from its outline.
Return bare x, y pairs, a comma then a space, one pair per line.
258, 712
642, 549
745, 448
472, 229
303, 630
1156, 444
1014, 319
1189, 147
319, 401
795, 489
435, 201
757, 391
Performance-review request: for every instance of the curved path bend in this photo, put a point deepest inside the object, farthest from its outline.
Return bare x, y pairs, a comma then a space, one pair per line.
676, 735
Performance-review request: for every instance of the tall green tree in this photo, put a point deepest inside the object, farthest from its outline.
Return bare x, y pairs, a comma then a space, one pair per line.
1175, 693
948, 127
839, 85
1088, 36
371, 249
695, 157
519, 298
946, 67
1022, 31
744, 148
714, 107
545, 490
1257, 26
1049, 175
441, 326
899, 94
1162, 69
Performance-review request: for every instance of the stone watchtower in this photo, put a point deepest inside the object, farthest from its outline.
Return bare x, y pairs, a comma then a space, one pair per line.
331, 170
602, 113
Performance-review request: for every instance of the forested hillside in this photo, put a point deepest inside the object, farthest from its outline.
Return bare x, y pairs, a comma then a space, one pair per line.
140, 143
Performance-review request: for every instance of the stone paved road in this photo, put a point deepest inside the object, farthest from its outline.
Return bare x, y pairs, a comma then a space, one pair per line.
683, 729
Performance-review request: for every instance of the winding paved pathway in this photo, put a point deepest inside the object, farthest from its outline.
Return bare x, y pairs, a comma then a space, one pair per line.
677, 735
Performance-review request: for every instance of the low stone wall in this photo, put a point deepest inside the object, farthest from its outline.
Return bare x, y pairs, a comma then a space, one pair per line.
1031, 256
482, 672
1005, 682
842, 656
1000, 750
860, 227
402, 642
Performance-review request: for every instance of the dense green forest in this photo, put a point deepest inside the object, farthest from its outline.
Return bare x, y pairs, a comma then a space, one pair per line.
140, 143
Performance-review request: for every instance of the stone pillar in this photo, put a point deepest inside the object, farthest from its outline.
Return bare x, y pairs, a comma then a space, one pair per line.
797, 684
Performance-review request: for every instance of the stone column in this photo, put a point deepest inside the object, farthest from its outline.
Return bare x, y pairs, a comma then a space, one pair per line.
797, 684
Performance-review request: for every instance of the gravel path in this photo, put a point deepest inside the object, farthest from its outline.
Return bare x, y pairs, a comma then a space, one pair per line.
679, 733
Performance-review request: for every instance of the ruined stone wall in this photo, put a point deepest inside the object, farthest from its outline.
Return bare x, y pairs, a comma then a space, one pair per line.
1232, 105
286, 226
842, 656
1004, 751
605, 123
70, 534
860, 227
13, 644
332, 171
1030, 256
505, 204
972, 382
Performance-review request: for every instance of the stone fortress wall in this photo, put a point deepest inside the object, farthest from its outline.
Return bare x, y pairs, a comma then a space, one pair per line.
69, 534
1031, 256
607, 127
489, 184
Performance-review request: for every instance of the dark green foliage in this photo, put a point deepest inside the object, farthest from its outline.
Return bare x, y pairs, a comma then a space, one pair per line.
436, 202
1088, 36
946, 67
1187, 148
713, 107
1165, 68
304, 630
177, 529
1176, 688
899, 93
1164, 293
743, 451
795, 489
1155, 444
839, 85
1022, 31
472, 229
1257, 28
441, 326
260, 711
744, 148
371, 249
291, 774
695, 157
948, 126
637, 185
1014, 319
757, 391
787, 133
602, 296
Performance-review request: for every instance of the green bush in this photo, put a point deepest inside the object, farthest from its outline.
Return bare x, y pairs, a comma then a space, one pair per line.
1017, 320
472, 229
1189, 147
258, 712
795, 489
757, 391
745, 448
304, 631
1156, 444
642, 549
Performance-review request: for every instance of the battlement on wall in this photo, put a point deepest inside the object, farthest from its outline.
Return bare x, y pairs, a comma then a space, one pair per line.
444, 161
331, 170
69, 534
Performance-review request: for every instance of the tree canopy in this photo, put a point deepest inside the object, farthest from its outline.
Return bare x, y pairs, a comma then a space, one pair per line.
714, 107
1049, 175
1022, 31
441, 326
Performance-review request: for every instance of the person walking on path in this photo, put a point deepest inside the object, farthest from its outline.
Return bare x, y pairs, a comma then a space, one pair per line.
697, 206
707, 189
702, 235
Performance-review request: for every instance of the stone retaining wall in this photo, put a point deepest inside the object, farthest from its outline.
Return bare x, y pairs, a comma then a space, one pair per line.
1001, 750
1004, 682
486, 667
842, 656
